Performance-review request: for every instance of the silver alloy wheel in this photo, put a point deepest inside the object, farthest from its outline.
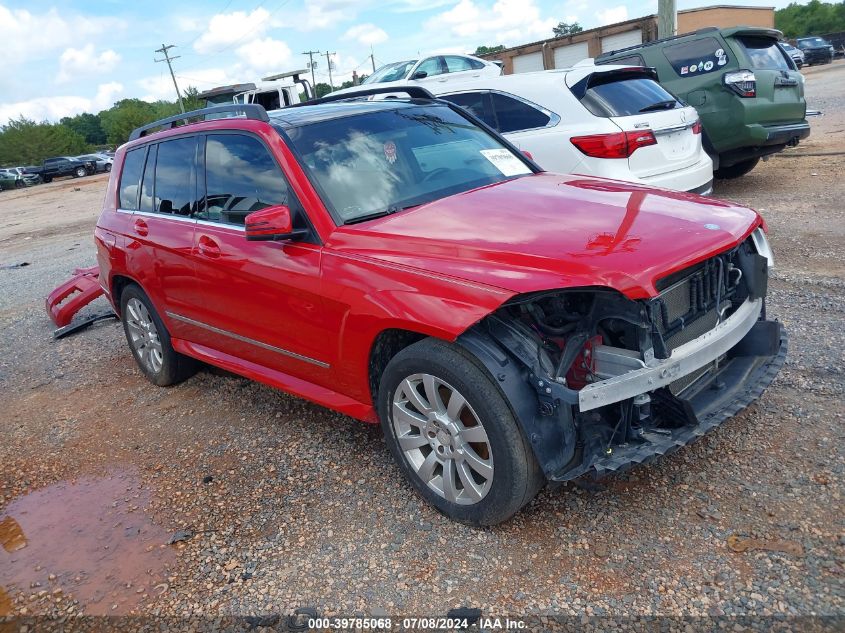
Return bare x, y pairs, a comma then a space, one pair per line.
143, 335
442, 439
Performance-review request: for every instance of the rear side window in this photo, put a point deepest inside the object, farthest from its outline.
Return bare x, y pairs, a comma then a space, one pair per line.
241, 177
476, 102
130, 177
514, 115
764, 53
609, 96
697, 57
175, 182
455, 64
628, 60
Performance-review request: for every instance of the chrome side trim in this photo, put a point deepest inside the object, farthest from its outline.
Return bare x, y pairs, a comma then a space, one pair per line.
251, 341
181, 218
640, 378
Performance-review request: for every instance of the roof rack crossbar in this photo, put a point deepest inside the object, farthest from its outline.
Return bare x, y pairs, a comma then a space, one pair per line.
415, 92
249, 110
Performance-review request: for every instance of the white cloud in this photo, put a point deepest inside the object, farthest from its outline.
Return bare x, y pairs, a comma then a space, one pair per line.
76, 62
321, 14
265, 54
503, 22
612, 15
54, 108
366, 34
28, 36
225, 29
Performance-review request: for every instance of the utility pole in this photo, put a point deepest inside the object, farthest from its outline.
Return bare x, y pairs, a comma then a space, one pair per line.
311, 66
163, 50
373, 58
667, 18
329, 62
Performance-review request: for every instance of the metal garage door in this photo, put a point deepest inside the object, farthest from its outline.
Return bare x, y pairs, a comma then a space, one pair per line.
621, 40
566, 56
528, 63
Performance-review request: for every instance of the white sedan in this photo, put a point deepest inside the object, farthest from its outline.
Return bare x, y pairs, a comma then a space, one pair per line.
430, 71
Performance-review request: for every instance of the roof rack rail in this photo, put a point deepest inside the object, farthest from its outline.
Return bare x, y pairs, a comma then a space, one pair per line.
415, 92
249, 110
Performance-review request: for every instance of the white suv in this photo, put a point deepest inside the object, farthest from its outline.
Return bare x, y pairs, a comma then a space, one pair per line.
610, 121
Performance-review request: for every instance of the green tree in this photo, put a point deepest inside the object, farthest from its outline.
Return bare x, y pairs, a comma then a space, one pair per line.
88, 126
25, 142
322, 89
190, 97
813, 18
563, 28
489, 50
127, 114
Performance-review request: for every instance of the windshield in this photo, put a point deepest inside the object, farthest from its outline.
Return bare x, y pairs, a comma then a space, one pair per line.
810, 42
385, 161
391, 72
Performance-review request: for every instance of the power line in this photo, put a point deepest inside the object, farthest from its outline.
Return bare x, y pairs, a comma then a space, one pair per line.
163, 50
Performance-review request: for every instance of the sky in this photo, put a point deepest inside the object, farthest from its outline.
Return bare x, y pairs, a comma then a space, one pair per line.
63, 57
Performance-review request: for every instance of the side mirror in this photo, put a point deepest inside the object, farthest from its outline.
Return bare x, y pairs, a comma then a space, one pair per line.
272, 223
420, 74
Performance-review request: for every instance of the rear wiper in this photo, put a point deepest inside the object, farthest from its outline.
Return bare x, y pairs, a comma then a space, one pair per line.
660, 105
379, 214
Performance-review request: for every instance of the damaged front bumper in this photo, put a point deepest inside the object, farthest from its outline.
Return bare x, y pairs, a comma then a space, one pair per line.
749, 368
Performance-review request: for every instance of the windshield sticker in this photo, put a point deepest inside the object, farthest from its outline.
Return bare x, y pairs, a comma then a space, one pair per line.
390, 152
505, 162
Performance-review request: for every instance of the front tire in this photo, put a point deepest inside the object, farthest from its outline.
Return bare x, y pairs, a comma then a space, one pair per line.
454, 436
737, 169
149, 340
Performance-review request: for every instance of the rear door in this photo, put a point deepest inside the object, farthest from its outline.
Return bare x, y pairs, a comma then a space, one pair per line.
636, 103
780, 91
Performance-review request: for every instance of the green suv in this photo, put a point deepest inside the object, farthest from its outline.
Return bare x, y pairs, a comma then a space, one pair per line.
747, 90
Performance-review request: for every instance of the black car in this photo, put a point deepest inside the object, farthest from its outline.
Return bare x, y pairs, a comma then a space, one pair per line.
63, 166
816, 50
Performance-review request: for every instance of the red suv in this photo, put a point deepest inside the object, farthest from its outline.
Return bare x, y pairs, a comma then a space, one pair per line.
398, 261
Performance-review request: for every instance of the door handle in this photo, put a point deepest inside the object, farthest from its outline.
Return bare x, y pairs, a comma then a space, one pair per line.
208, 247
141, 227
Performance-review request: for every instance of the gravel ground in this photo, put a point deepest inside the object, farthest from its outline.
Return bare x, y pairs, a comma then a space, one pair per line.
286, 504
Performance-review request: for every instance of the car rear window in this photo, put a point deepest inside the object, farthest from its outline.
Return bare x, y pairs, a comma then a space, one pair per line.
764, 53
696, 57
614, 96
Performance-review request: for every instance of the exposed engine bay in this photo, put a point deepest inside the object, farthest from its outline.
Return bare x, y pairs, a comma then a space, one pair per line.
601, 382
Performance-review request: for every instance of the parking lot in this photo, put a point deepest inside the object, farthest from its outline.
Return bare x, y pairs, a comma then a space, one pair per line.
277, 504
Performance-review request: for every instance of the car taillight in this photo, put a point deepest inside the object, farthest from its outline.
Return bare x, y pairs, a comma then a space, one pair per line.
742, 82
616, 145
696, 127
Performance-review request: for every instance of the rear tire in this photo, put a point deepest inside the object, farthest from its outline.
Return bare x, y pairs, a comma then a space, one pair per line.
107, 168
149, 340
456, 439
737, 169
80, 172
46, 179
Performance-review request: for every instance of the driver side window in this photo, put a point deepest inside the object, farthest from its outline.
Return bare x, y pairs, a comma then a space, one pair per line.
240, 177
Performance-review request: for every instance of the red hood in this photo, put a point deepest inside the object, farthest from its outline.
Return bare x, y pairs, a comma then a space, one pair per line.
551, 231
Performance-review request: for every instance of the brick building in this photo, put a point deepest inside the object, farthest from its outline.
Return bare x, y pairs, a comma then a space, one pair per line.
562, 52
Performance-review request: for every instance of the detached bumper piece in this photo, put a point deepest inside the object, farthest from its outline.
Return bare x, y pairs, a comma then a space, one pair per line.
73, 295
746, 371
